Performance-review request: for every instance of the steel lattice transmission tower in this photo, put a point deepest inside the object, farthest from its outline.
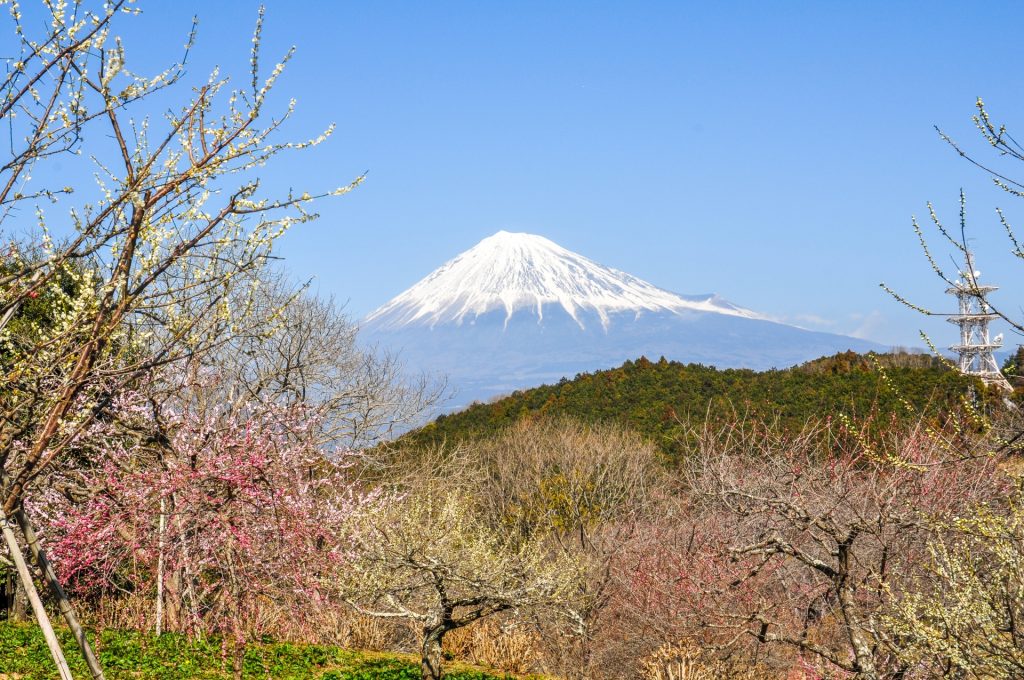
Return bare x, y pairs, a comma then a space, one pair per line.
976, 347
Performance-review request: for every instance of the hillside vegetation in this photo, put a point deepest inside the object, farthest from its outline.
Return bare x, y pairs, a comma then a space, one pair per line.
660, 398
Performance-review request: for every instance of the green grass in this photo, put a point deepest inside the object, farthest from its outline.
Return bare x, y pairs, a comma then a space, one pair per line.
141, 656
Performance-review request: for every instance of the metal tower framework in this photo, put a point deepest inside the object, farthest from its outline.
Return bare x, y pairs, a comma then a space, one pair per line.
976, 347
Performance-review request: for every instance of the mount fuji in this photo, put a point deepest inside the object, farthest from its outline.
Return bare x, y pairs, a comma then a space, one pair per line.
518, 310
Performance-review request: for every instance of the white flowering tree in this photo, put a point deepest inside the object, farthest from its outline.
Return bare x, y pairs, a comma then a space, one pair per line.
961, 616
432, 560
145, 269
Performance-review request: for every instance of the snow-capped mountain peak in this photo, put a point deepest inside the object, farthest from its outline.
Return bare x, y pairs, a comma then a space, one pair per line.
512, 272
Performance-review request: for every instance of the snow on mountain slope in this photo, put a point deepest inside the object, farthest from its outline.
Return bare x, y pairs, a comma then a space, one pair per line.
515, 272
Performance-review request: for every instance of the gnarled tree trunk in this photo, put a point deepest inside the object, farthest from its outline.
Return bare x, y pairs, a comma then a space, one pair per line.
431, 654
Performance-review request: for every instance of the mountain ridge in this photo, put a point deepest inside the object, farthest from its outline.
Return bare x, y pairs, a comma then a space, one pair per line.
518, 310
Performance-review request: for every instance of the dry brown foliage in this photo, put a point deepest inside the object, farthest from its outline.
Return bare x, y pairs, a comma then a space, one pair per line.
502, 645
687, 661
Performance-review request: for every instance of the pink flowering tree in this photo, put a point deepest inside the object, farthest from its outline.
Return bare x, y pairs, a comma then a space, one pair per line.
791, 547
231, 521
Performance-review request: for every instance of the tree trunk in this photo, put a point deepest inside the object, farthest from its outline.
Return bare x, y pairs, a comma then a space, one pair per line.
58, 593
33, 598
12, 596
19, 603
172, 601
238, 659
863, 659
430, 657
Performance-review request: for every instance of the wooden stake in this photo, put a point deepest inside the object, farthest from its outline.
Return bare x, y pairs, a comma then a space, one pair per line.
33, 598
58, 592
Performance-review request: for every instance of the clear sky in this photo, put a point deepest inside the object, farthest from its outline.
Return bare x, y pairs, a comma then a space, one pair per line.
770, 152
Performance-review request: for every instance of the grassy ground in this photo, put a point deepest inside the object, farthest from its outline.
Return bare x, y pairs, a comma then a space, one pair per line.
139, 656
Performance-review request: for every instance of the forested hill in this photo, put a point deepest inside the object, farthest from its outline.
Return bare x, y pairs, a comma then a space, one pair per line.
657, 398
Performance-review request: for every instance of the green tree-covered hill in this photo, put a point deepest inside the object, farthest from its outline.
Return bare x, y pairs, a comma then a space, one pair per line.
659, 399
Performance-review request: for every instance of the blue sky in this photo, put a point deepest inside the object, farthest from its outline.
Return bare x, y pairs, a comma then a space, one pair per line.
770, 152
